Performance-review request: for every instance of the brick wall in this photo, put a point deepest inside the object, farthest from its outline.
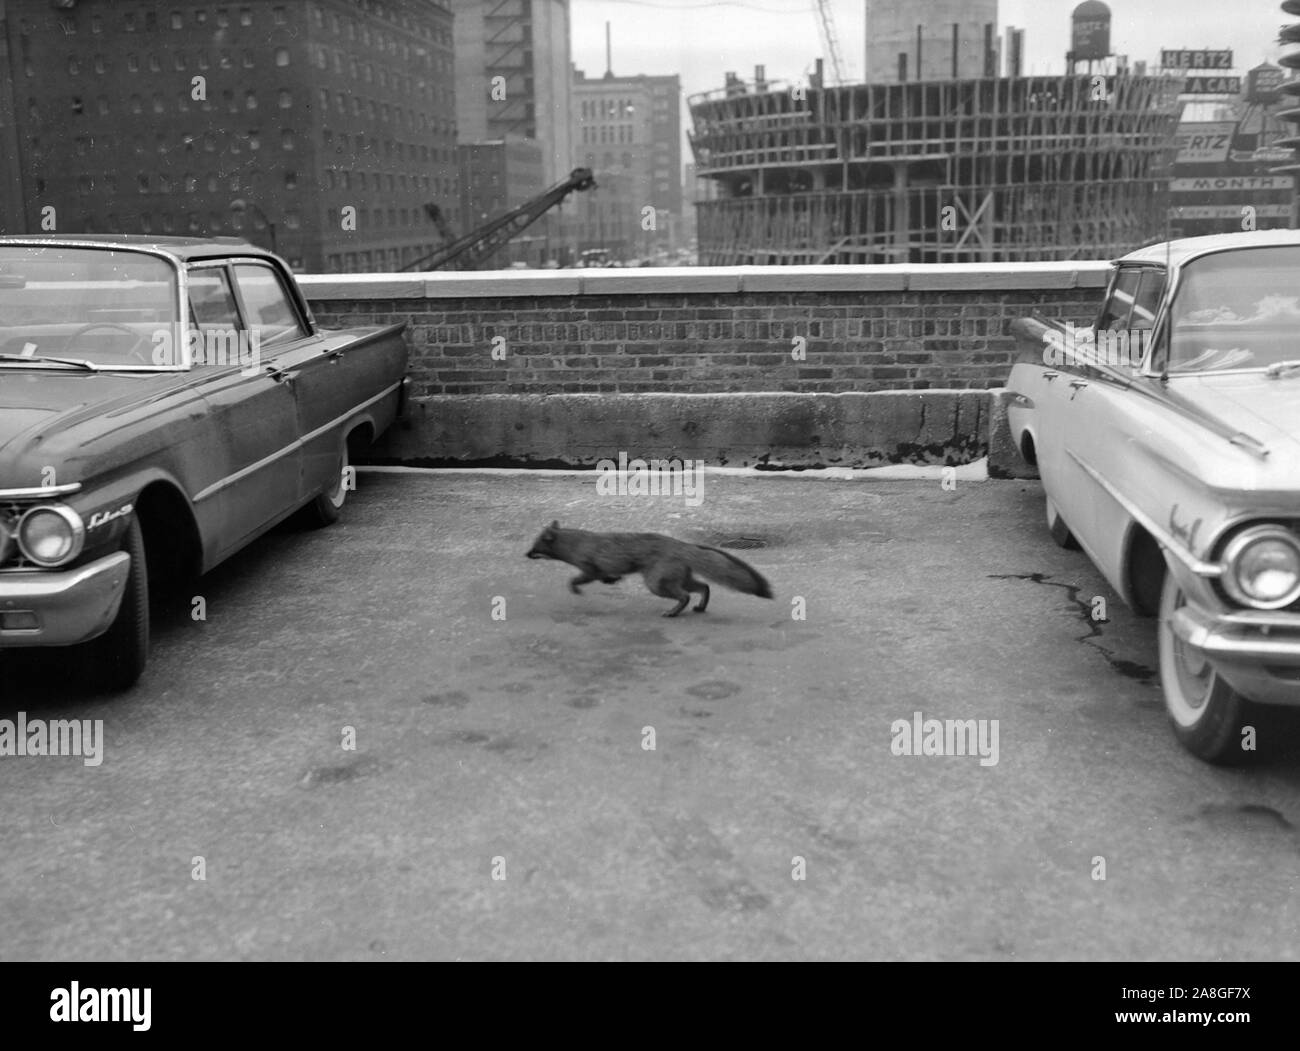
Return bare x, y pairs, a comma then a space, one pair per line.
714, 330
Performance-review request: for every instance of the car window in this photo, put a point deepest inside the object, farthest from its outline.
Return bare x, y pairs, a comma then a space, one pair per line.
212, 304
270, 311
1147, 300
214, 313
1116, 312
1236, 310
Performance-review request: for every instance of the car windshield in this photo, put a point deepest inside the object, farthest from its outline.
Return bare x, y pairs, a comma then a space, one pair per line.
1236, 310
101, 306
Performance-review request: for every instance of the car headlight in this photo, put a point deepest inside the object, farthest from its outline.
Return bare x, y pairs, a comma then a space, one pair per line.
50, 535
1261, 567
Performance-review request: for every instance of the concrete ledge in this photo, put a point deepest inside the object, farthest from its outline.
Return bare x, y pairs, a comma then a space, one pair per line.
856, 429
1005, 460
957, 277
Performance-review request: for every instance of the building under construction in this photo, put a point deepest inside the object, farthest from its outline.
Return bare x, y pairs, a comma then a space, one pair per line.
964, 169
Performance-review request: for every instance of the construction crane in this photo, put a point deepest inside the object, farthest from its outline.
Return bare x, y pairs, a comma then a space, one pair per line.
829, 37
471, 250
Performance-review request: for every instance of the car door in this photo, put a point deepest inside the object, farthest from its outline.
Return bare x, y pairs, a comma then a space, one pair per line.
331, 376
253, 473
1100, 413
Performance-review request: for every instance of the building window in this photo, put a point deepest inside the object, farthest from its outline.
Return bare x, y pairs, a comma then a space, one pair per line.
291, 180
286, 99
250, 100
278, 16
176, 21
281, 56
287, 139
245, 16
133, 63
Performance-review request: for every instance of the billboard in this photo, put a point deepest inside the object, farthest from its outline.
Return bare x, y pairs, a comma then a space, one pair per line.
1262, 83
1178, 59
1212, 86
1204, 142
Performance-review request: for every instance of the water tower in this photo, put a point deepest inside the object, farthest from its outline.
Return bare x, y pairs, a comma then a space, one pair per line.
1089, 35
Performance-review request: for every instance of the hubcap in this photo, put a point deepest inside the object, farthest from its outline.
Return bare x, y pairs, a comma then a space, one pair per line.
1195, 675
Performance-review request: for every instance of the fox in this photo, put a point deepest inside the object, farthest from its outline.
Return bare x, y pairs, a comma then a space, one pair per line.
667, 566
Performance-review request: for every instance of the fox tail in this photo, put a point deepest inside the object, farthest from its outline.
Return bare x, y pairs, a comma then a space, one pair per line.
728, 570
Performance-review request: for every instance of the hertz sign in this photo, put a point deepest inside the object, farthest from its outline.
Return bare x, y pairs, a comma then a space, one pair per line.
1212, 86
1196, 59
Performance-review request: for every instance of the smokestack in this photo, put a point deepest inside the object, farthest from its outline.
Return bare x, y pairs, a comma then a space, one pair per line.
609, 54
760, 78
955, 28
919, 74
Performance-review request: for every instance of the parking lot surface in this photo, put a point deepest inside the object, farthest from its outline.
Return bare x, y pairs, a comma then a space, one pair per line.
503, 800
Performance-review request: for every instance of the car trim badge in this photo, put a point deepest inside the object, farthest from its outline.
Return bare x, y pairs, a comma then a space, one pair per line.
100, 518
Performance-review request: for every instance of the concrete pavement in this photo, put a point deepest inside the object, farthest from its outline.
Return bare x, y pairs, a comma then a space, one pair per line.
521, 739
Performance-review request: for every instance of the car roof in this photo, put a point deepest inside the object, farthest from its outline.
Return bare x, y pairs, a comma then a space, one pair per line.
182, 248
1177, 252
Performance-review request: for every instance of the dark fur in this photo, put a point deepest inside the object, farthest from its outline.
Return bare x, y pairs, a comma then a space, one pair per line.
668, 566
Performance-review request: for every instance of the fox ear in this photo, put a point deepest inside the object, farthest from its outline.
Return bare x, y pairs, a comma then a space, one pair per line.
555, 525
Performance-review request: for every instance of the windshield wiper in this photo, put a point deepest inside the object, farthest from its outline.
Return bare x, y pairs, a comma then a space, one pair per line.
77, 362
1275, 371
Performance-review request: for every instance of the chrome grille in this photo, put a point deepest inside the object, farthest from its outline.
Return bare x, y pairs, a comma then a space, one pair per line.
10, 512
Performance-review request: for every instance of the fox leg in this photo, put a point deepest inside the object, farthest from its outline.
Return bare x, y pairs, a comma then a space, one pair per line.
702, 588
585, 577
671, 582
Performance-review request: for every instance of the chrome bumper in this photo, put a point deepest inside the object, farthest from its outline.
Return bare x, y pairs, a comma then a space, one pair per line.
1258, 654
61, 607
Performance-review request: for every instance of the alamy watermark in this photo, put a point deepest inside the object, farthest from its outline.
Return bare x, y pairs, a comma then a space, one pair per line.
83, 737
921, 736
684, 478
209, 346
1076, 346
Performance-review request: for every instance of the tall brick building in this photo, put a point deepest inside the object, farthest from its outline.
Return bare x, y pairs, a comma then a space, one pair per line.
628, 130
320, 125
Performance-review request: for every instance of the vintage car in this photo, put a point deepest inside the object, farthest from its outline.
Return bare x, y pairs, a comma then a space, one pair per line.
163, 402
1167, 437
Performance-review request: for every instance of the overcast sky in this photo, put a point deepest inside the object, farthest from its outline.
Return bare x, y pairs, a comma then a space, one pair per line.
702, 39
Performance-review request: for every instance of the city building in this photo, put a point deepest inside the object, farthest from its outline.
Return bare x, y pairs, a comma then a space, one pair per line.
628, 131
495, 178
317, 127
941, 155
512, 76
1226, 175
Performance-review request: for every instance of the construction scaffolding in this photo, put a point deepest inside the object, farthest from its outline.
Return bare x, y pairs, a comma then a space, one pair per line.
996, 169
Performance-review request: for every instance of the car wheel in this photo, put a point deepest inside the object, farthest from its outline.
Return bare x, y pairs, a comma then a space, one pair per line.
325, 508
1207, 714
1059, 530
118, 657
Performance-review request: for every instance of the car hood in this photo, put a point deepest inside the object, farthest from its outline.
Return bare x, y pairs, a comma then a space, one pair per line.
1266, 409
36, 405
